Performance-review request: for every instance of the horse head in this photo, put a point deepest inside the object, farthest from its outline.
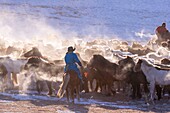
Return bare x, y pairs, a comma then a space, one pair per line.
89, 73
125, 65
143, 64
137, 67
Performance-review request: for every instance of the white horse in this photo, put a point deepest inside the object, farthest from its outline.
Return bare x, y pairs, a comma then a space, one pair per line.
154, 75
13, 67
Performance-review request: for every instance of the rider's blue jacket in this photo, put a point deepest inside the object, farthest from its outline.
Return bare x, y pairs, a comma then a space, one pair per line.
71, 61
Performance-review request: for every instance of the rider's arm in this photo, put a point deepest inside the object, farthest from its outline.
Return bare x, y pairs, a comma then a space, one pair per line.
79, 63
77, 60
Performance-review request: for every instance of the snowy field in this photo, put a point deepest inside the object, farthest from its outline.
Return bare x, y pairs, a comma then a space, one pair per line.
115, 105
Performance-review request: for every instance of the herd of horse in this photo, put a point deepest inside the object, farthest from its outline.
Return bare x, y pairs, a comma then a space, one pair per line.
137, 72
140, 73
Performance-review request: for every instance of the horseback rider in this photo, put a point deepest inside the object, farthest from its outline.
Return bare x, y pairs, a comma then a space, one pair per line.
71, 61
161, 32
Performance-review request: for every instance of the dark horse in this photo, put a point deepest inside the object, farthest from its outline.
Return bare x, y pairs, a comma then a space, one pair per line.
40, 65
37, 62
71, 83
126, 68
103, 71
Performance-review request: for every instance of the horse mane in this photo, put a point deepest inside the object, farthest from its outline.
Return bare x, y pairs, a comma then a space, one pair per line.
103, 61
101, 58
126, 60
147, 62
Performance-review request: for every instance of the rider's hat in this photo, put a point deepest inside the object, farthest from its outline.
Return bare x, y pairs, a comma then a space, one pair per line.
71, 49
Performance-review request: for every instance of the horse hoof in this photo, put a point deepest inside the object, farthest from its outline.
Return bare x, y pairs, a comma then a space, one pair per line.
132, 96
50, 94
139, 97
113, 92
72, 102
86, 91
108, 94
147, 104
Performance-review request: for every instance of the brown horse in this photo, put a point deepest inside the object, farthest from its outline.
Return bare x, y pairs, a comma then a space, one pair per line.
103, 71
126, 68
103, 79
71, 83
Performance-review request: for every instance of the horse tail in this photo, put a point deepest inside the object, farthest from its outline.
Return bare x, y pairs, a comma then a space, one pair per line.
63, 86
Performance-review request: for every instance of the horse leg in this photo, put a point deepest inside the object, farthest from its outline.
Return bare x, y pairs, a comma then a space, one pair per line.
90, 85
125, 86
67, 94
49, 84
86, 86
103, 89
134, 90
100, 85
2, 81
72, 95
118, 86
164, 90
152, 90
38, 85
109, 90
139, 95
14, 78
158, 91
78, 92
146, 92
97, 86
10, 84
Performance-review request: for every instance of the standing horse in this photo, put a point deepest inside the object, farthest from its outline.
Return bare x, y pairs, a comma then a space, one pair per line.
71, 82
154, 75
103, 79
103, 71
126, 68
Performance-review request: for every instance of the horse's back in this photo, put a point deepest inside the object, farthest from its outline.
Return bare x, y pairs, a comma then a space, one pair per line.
161, 77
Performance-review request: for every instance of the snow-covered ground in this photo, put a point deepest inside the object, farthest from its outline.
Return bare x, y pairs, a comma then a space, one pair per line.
92, 104
118, 104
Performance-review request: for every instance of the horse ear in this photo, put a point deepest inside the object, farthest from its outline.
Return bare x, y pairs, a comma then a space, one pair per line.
128, 56
119, 62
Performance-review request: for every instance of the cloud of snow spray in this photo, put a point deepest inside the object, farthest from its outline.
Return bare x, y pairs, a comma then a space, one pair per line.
24, 33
